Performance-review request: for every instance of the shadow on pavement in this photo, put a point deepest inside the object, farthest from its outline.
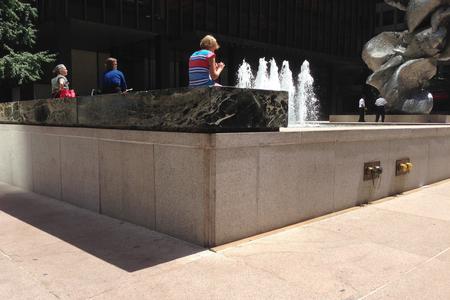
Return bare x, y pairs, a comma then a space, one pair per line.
124, 245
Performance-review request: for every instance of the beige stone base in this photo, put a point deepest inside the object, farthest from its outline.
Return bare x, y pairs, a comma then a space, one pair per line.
212, 189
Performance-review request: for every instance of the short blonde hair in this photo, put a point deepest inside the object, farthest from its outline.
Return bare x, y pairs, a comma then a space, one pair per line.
209, 42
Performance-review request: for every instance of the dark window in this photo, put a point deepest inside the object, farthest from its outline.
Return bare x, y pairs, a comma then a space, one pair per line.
200, 8
211, 22
273, 21
145, 14
379, 21
94, 11
112, 12
253, 19
76, 9
129, 13
173, 16
234, 17
263, 17
400, 17
388, 18
187, 15
223, 16
160, 15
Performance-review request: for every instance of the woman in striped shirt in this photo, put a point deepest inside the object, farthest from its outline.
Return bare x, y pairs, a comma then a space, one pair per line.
203, 69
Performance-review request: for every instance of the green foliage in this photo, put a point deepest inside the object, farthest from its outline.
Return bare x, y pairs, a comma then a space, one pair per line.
17, 38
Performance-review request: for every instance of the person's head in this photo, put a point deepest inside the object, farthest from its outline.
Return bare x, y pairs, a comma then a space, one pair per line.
209, 43
111, 64
60, 70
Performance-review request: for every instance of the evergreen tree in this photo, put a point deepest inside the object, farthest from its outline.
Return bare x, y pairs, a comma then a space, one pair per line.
18, 64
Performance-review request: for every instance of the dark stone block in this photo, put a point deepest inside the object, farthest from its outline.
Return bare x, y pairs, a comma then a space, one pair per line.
217, 109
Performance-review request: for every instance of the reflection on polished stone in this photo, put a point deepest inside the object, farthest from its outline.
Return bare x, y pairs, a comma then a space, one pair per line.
217, 109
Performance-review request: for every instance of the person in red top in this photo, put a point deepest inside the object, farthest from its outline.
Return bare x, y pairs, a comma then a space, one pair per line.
203, 69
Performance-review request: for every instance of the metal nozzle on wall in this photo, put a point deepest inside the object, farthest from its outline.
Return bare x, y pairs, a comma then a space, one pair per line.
403, 167
378, 170
372, 170
409, 166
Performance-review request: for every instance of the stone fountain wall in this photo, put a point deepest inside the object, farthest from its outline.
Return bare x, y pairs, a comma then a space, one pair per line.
217, 109
211, 189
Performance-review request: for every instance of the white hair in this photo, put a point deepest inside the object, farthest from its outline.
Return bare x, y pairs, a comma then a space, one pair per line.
59, 67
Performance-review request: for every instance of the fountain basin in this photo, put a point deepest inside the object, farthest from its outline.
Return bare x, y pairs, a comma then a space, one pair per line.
215, 188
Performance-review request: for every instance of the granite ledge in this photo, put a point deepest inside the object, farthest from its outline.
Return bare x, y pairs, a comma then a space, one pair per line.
200, 110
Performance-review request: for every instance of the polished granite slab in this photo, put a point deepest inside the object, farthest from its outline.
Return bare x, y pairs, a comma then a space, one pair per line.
215, 109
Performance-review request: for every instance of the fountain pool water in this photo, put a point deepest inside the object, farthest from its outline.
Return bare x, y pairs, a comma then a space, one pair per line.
303, 103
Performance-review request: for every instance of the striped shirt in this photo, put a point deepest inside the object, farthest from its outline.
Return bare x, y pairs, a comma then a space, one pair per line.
199, 69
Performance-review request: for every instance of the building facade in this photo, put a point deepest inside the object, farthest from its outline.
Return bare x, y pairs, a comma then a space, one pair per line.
153, 40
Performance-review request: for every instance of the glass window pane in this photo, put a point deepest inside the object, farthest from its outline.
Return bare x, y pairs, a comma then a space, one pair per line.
76, 9
112, 12
94, 11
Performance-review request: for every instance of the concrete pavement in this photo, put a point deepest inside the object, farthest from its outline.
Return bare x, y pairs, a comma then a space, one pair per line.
397, 248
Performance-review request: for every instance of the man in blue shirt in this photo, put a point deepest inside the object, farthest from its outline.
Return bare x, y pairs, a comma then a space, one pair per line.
113, 79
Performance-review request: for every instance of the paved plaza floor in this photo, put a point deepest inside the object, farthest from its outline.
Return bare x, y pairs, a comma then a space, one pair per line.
396, 248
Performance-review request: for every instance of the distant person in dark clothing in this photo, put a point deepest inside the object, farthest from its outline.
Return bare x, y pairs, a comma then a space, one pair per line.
380, 110
113, 80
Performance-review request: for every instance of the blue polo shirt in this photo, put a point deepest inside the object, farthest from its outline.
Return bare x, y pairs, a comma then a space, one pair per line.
113, 81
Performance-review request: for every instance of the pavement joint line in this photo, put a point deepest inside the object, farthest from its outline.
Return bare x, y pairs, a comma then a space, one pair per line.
5, 255
398, 277
279, 230
328, 216
411, 214
31, 275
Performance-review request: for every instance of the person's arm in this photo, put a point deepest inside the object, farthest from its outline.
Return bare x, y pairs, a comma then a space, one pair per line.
214, 68
61, 83
123, 83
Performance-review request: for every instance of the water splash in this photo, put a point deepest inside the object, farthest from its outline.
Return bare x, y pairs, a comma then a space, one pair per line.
274, 76
262, 77
306, 97
303, 102
287, 84
245, 76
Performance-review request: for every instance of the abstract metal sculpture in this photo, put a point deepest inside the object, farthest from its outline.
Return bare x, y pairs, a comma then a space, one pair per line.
404, 62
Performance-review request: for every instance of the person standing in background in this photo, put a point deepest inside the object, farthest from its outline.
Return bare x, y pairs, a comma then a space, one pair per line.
380, 110
362, 109
59, 82
113, 80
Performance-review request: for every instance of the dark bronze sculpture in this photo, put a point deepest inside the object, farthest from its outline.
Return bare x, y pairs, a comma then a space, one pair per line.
404, 62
